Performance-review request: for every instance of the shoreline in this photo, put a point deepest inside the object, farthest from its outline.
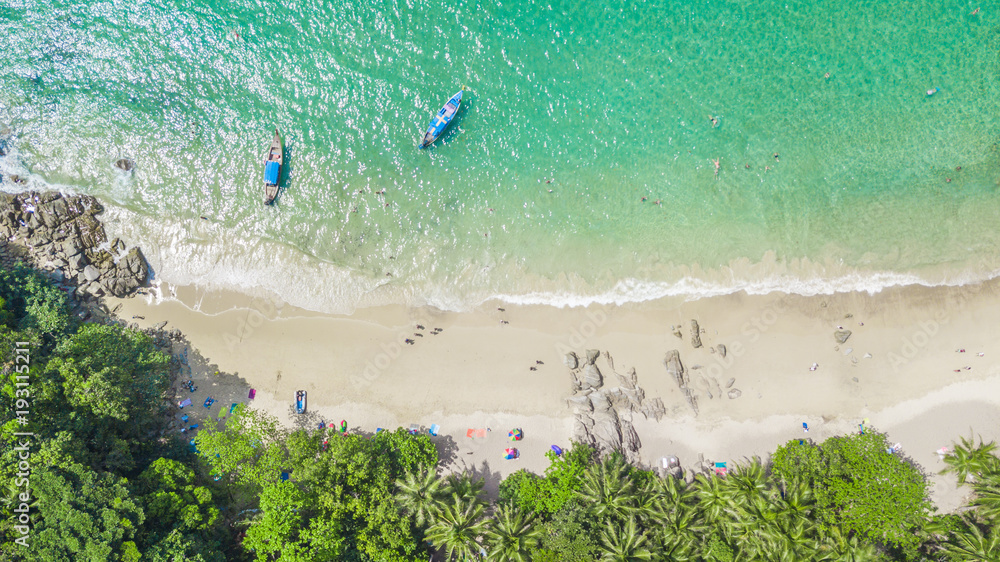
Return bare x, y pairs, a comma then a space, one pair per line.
476, 373
228, 258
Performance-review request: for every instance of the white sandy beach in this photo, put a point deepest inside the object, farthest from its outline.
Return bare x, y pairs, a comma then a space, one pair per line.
897, 369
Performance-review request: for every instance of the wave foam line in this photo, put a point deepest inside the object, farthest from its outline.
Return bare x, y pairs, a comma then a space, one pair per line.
631, 291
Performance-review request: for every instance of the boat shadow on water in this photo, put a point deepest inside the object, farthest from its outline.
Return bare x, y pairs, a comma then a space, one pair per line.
285, 180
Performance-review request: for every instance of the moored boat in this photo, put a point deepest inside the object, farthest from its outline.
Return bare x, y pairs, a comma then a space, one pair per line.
441, 120
272, 169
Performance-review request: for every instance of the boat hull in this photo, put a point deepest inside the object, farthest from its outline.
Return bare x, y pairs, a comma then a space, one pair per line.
441, 121
272, 168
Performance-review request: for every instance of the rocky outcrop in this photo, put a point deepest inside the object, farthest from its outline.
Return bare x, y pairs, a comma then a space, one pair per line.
592, 377
603, 415
62, 235
675, 369
571, 360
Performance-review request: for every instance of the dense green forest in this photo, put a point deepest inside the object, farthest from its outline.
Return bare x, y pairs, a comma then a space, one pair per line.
102, 479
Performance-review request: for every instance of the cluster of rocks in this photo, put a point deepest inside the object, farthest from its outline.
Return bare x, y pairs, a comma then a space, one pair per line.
62, 235
707, 383
602, 414
696, 332
710, 385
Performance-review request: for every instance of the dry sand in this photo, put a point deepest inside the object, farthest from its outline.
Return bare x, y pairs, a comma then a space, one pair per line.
897, 369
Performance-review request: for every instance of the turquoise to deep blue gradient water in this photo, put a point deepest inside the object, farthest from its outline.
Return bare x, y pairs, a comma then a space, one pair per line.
573, 113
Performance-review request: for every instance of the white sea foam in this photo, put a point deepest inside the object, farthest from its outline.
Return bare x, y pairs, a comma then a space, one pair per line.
634, 291
211, 257
208, 255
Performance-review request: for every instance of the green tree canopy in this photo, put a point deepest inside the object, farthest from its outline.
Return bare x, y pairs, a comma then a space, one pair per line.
82, 516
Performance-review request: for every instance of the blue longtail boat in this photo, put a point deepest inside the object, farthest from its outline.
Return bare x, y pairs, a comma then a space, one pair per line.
272, 169
441, 120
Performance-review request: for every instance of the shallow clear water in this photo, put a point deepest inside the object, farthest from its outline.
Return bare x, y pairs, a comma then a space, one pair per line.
610, 104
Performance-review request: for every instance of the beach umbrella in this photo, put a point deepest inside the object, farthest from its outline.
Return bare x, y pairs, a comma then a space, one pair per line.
557, 450
510, 454
515, 434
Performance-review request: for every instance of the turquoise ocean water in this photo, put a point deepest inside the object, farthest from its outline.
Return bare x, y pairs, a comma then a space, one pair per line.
573, 112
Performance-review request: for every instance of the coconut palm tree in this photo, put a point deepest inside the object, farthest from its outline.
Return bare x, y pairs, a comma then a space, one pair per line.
463, 486
796, 500
836, 546
419, 495
715, 497
457, 528
968, 459
750, 479
648, 503
679, 532
673, 491
624, 543
512, 536
607, 488
795, 536
988, 497
969, 542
